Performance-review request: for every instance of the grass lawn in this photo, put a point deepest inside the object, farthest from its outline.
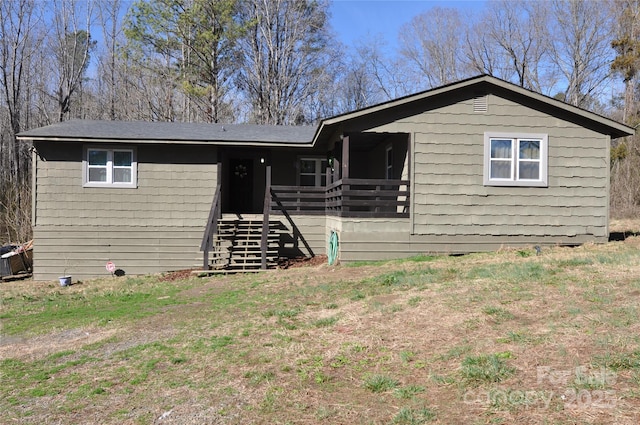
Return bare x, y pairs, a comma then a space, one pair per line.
498, 338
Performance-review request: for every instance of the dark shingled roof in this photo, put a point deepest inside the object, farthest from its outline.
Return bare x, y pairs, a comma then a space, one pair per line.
270, 135
246, 134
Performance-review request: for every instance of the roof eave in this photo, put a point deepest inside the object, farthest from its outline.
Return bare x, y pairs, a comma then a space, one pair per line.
620, 130
163, 141
616, 129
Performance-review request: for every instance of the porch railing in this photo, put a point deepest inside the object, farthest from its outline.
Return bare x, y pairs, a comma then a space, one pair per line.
368, 198
299, 199
376, 198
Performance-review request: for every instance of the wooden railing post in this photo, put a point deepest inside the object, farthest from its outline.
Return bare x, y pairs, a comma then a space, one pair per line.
265, 219
327, 183
205, 258
344, 196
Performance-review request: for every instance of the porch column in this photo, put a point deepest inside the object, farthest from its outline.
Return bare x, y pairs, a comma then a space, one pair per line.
345, 157
345, 176
264, 241
407, 208
409, 156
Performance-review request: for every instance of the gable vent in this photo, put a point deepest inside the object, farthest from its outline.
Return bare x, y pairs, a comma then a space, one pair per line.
480, 103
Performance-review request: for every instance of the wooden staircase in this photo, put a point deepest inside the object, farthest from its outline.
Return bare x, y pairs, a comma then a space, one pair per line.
236, 245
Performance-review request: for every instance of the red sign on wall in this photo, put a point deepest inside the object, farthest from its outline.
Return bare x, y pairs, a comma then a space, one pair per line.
111, 267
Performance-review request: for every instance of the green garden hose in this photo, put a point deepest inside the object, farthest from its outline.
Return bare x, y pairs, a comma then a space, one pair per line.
332, 252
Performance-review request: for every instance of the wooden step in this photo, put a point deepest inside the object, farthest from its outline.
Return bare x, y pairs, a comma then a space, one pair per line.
236, 245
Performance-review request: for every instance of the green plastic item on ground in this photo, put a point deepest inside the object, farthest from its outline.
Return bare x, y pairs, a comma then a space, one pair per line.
332, 252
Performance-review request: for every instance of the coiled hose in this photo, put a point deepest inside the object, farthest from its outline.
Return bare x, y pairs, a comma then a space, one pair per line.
332, 252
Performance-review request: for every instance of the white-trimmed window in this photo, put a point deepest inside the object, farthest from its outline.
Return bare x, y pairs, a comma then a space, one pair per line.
515, 159
389, 163
109, 167
313, 172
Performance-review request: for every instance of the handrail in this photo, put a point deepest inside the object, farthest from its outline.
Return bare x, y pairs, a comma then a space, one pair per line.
370, 182
212, 226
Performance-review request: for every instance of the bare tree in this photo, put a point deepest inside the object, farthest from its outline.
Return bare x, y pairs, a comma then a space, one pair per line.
350, 85
431, 44
580, 47
387, 74
71, 46
508, 42
357, 87
19, 44
109, 13
625, 178
482, 53
282, 55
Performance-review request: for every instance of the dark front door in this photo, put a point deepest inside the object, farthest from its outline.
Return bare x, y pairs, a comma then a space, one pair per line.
241, 185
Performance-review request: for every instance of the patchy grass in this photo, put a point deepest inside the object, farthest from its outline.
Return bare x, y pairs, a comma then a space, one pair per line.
506, 337
37, 312
379, 383
487, 368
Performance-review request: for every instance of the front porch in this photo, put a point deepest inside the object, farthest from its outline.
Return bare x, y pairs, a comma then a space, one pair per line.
376, 191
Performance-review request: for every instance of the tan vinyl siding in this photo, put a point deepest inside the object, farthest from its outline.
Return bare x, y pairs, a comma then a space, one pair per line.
390, 245
364, 239
312, 229
385, 239
368, 225
154, 227
83, 251
168, 194
449, 197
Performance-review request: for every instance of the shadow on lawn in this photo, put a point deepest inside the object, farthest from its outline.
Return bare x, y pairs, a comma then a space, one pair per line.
621, 236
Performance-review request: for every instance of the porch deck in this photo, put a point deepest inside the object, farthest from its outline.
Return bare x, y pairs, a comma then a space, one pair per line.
347, 197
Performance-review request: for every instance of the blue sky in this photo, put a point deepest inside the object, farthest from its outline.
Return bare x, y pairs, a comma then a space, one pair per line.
355, 20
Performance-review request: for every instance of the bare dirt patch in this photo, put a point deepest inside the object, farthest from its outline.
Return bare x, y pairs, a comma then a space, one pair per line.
288, 263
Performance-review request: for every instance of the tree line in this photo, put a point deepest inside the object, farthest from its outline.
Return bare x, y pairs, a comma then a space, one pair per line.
279, 62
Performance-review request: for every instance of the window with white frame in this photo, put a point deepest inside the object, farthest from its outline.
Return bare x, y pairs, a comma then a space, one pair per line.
515, 159
110, 167
313, 171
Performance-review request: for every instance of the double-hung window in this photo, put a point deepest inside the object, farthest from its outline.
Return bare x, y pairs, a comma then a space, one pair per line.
515, 159
109, 167
313, 172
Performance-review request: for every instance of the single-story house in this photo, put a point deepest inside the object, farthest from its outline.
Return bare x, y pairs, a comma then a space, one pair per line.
475, 165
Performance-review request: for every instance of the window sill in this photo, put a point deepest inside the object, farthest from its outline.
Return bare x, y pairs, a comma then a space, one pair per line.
513, 183
111, 185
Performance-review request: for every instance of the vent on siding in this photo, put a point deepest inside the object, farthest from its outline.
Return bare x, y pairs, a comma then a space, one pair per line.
480, 103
